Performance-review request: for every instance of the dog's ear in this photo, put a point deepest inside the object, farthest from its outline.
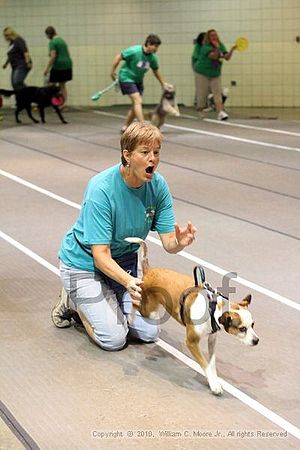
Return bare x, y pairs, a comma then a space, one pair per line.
225, 320
246, 301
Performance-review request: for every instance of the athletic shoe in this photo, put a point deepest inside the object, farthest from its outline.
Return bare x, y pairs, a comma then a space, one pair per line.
222, 115
61, 314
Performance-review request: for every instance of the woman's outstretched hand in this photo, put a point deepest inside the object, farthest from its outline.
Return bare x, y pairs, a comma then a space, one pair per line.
185, 235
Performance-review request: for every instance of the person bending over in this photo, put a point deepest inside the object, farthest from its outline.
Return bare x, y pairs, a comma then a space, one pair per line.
138, 59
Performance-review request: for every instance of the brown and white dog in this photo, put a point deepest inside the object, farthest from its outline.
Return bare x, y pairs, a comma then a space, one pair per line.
167, 106
168, 288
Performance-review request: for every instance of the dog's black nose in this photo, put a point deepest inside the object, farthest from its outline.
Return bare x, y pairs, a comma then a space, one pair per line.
255, 341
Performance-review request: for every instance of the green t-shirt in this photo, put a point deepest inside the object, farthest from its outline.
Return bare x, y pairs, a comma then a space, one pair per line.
63, 60
112, 211
203, 64
136, 64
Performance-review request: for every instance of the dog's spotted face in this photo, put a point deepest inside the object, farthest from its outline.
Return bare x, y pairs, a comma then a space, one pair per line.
238, 322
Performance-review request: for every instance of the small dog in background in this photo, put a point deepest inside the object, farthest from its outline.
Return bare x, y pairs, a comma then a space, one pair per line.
210, 106
42, 96
167, 106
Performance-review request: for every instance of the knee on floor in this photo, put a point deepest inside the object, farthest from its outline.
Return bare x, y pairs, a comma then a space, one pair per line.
111, 343
148, 335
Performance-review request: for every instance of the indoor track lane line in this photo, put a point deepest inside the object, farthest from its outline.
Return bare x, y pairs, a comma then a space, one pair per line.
242, 281
213, 134
238, 394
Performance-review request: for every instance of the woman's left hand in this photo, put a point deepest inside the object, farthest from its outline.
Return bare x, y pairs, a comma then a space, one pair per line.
185, 236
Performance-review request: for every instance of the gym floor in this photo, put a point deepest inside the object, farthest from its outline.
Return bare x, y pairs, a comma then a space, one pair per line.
239, 183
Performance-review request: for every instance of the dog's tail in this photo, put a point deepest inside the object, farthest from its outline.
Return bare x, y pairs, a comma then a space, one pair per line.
6, 93
144, 252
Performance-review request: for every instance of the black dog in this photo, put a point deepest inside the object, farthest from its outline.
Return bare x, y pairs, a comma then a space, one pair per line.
42, 96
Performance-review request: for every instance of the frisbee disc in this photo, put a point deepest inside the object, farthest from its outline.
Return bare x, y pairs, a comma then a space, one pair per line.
57, 101
242, 44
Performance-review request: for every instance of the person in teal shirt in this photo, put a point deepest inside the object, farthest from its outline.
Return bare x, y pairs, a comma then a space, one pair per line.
207, 60
60, 62
98, 267
138, 59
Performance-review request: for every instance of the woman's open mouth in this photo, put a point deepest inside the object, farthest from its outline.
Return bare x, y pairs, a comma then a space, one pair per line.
150, 169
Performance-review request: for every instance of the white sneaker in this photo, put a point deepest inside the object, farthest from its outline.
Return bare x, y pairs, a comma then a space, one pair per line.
61, 313
222, 115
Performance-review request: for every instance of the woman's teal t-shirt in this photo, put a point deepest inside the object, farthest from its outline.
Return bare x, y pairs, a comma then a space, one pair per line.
112, 211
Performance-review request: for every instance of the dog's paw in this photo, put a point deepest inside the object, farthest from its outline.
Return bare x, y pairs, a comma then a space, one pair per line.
215, 386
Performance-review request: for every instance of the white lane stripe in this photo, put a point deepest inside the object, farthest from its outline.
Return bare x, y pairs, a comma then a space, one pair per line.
251, 127
103, 113
218, 135
239, 280
39, 189
232, 124
242, 281
239, 125
29, 253
187, 116
235, 392
233, 138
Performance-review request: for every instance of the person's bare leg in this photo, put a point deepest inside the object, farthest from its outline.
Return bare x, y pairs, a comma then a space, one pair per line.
130, 117
136, 100
135, 111
219, 106
63, 90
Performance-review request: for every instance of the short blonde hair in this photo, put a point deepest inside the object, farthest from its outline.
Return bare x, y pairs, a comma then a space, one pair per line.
10, 31
139, 133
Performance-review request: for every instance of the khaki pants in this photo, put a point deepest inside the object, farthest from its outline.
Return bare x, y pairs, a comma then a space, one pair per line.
204, 86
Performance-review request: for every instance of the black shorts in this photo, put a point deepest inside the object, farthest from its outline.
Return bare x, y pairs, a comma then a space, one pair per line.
57, 76
131, 88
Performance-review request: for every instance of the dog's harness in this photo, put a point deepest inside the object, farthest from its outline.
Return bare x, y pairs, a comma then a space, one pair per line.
208, 292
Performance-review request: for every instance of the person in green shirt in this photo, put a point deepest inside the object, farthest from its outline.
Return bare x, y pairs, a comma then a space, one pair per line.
60, 62
138, 59
207, 61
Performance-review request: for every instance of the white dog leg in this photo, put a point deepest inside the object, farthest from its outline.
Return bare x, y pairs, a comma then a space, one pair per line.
211, 371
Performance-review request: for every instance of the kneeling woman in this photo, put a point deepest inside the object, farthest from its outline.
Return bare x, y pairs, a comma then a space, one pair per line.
98, 267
